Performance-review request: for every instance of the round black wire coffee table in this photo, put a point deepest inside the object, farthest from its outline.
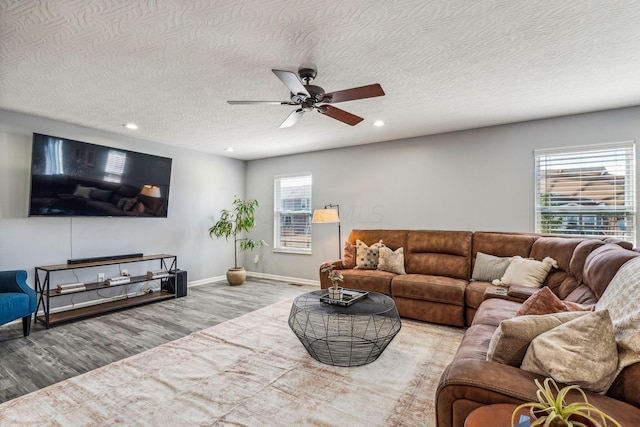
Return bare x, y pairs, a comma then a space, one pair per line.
344, 336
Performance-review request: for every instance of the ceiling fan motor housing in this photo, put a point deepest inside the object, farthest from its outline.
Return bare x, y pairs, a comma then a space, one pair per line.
307, 74
316, 92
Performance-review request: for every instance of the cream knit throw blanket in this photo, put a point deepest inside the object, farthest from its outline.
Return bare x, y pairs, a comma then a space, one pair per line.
622, 299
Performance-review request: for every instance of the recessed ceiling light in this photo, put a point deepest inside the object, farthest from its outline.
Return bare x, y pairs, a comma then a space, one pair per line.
131, 126
378, 123
229, 150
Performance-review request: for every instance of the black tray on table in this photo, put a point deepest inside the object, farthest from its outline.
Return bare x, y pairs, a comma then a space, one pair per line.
349, 296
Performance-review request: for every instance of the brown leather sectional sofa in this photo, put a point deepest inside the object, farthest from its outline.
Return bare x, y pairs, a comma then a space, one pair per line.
437, 288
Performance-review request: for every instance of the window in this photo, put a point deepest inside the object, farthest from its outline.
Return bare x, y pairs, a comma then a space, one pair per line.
588, 190
115, 166
292, 216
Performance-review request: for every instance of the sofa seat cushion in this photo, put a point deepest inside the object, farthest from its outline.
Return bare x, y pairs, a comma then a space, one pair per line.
474, 294
13, 305
493, 311
429, 288
475, 343
368, 280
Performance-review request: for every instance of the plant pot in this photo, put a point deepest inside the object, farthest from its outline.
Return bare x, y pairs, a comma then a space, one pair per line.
535, 413
335, 293
236, 276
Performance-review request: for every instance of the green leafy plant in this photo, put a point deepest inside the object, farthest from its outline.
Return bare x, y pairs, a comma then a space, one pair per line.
236, 221
552, 410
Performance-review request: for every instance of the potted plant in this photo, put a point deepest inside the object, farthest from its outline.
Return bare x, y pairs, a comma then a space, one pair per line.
335, 291
551, 410
232, 223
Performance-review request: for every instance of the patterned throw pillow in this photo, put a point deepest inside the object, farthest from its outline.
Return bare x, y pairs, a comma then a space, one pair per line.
367, 256
391, 261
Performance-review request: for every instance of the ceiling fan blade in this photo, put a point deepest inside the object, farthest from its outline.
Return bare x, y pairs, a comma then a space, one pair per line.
291, 80
292, 119
338, 114
261, 102
361, 92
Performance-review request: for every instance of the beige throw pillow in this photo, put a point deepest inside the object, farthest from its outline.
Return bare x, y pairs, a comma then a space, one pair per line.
391, 261
510, 341
489, 267
581, 352
526, 272
367, 256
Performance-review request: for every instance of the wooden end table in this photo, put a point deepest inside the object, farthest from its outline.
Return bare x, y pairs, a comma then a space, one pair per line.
498, 415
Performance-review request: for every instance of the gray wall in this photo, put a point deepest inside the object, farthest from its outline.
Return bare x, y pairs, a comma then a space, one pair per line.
481, 179
201, 185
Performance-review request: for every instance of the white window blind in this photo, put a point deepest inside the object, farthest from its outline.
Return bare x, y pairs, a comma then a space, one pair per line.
292, 216
588, 190
114, 169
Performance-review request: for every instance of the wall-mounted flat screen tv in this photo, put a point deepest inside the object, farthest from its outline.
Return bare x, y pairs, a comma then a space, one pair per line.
73, 178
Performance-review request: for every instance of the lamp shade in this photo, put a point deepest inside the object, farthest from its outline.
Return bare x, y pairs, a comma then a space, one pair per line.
151, 191
325, 215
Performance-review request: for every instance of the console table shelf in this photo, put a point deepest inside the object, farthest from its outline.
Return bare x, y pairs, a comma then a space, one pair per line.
45, 293
92, 310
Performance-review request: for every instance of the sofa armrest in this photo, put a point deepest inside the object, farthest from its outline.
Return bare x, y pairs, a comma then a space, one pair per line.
468, 384
16, 281
521, 293
499, 292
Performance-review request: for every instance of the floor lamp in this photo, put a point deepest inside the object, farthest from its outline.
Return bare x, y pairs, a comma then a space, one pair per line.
330, 213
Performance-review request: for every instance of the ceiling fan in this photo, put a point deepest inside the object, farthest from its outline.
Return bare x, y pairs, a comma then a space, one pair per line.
307, 97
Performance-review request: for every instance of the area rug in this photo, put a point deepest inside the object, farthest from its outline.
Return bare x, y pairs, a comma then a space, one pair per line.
249, 371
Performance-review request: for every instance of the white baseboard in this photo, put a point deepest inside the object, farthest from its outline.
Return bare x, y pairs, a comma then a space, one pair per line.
283, 278
205, 281
259, 276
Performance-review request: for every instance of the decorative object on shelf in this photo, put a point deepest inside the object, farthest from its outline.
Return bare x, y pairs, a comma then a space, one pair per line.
551, 410
330, 214
231, 223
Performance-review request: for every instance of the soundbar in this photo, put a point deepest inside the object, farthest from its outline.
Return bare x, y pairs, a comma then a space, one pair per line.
102, 258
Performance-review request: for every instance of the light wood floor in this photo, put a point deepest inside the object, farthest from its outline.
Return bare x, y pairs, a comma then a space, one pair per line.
48, 356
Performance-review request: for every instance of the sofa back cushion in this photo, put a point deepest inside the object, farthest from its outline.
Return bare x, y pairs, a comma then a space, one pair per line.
439, 253
501, 244
602, 265
560, 280
393, 239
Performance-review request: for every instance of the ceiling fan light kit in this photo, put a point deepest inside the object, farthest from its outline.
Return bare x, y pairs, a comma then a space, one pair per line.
307, 97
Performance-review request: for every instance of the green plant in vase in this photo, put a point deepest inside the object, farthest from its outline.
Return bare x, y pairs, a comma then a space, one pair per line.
232, 223
551, 410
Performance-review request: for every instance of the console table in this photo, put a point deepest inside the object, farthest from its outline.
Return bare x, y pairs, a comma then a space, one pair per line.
43, 289
344, 336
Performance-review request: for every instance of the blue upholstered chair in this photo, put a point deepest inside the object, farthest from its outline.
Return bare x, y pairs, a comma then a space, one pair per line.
17, 299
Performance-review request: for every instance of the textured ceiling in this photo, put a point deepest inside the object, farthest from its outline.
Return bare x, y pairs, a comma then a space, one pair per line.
170, 65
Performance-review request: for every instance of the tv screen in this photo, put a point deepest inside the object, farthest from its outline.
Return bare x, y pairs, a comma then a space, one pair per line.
71, 178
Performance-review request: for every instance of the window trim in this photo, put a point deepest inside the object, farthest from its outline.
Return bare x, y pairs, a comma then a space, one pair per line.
277, 214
